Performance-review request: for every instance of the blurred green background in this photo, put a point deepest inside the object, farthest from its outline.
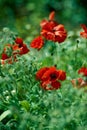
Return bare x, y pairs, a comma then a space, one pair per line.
24, 16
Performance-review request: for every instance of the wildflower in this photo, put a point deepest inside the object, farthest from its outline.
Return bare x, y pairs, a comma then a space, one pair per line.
50, 77
53, 31
51, 74
83, 71
47, 29
37, 43
7, 51
16, 49
19, 41
21, 46
4, 56
84, 33
9, 60
24, 49
81, 82
10, 52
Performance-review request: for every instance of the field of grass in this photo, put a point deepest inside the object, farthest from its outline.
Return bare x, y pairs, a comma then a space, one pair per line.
25, 104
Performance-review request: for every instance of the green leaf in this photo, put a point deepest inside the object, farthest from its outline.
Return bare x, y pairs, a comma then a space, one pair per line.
4, 114
25, 104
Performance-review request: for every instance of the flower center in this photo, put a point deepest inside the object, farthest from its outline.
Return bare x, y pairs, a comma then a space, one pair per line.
53, 76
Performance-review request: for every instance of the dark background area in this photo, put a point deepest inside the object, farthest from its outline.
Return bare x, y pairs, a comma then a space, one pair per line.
24, 16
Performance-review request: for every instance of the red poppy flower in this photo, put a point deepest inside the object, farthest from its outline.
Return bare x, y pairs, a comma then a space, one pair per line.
53, 31
24, 49
51, 74
12, 49
4, 56
9, 60
6, 49
19, 41
49, 77
79, 83
21, 47
37, 43
84, 33
83, 71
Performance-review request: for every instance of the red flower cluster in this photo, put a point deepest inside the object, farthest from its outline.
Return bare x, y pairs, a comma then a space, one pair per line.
50, 30
23, 47
80, 82
11, 51
84, 33
37, 43
53, 31
50, 77
83, 71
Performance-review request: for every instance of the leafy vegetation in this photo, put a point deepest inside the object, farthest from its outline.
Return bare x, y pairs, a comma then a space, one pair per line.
24, 103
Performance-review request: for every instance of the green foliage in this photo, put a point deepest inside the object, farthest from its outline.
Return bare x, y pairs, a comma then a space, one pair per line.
24, 105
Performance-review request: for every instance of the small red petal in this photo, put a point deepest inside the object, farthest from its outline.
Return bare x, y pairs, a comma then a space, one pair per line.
4, 56
37, 43
84, 27
24, 49
52, 15
56, 84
